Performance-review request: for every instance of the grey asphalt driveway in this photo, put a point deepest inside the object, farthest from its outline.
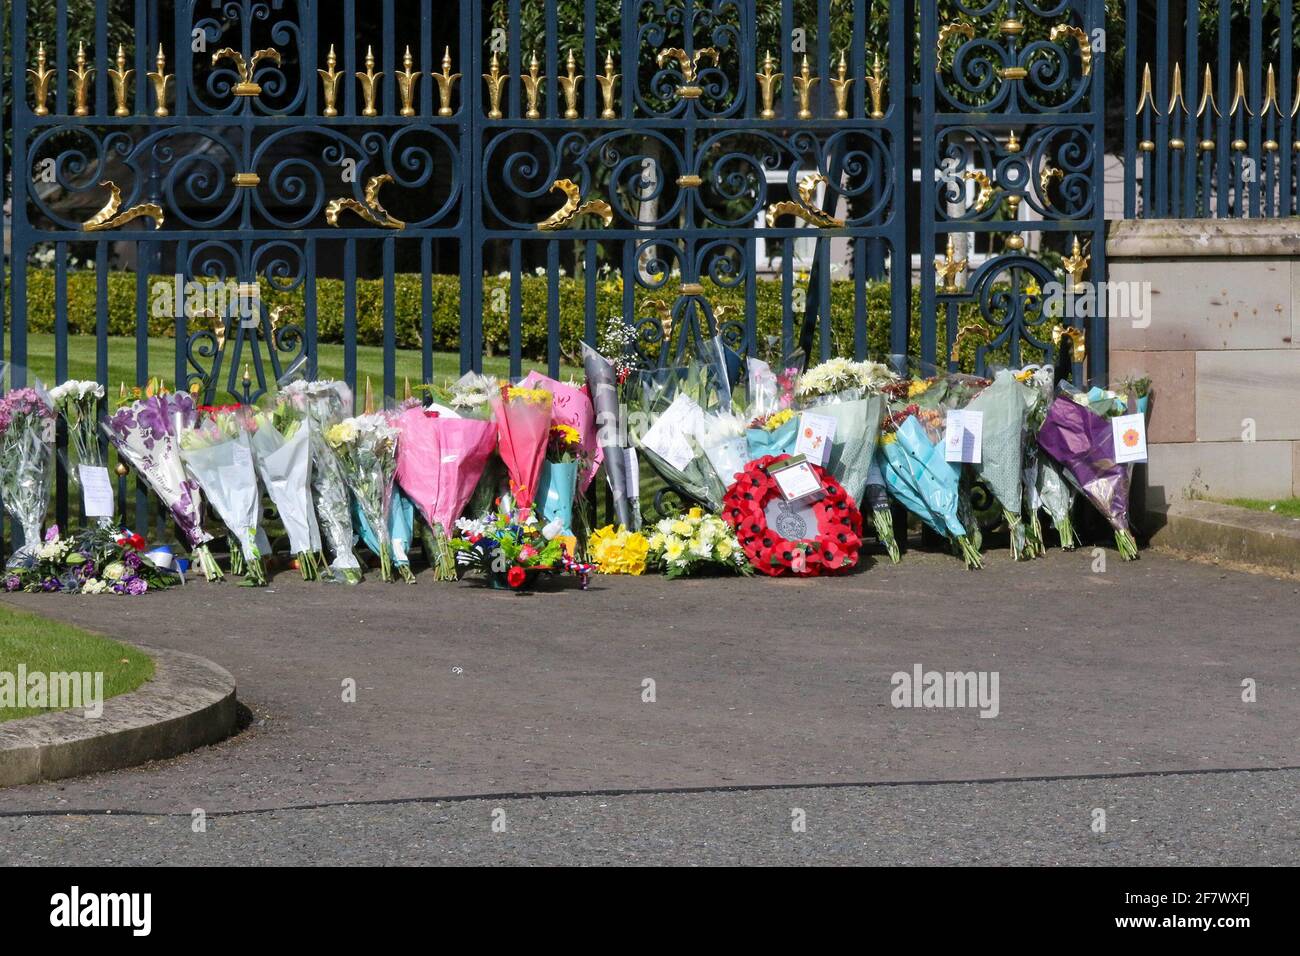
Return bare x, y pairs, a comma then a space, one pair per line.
1195, 819
463, 691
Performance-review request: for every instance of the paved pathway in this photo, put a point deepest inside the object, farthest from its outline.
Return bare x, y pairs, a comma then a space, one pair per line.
1194, 819
463, 691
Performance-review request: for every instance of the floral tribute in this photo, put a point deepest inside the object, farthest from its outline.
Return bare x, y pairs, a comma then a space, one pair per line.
696, 543
95, 561
26, 463
618, 550
510, 548
839, 524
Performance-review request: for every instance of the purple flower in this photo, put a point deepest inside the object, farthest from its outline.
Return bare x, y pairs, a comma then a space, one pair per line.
13, 582
50, 584
136, 586
52, 533
132, 560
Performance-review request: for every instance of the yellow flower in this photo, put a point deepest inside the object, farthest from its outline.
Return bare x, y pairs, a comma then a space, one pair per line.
674, 550
340, 434
682, 528
538, 396
917, 387
778, 419
888, 438
695, 514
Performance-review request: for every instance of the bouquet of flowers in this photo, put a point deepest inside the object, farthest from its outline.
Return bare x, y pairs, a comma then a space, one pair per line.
1045, 486
918, 475
694, 543
618, 551
95, 561
366, 450
26, 464
602, 383
722, 439
671, 446
1082, 442
439, 462
572, 408
510, 547
147, 433
841, 380
1005, 406
773, 434
217, 456
281, 444
325, 404
523, 418
558, 483
77, 403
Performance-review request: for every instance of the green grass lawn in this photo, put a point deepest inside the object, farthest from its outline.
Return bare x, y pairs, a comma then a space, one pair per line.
162, 362
1287, 507
50, 647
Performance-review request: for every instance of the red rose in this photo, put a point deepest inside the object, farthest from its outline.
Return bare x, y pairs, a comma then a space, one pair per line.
515, 576
138, 542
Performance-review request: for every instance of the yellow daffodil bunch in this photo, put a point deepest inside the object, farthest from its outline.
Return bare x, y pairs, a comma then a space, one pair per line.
538, 396
777, 419
694, 542
618, 551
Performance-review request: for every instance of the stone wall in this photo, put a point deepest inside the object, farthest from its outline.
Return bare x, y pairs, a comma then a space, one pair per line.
1222, 348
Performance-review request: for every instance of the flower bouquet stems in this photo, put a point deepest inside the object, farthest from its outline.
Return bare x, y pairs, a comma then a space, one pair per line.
237, 563
281, 445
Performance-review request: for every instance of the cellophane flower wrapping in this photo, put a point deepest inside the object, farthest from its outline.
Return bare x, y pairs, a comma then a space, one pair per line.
1083, 444
722, 439
918, 475
523, 421
147, 434
853, 448
571, 405
439, 463
1045, 485
366, 449
26, 464
602, 384
325, 403
218, 456
77, 403
671, 448
1005, 406
281, 444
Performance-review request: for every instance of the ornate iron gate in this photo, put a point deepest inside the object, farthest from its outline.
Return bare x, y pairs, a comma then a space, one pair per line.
501, 177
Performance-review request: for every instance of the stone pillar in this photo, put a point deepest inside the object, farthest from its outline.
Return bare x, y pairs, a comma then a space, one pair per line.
1221, 343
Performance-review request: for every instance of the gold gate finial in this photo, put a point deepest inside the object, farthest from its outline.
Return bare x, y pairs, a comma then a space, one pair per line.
407, 78
41, 82
949, 268
569, 84
876, 84
330, 78
370, 84
82, 76
446, 84
803, 85
532, 81
842, 85
608, 86
767, 81
496, 83
121, 78
160, 81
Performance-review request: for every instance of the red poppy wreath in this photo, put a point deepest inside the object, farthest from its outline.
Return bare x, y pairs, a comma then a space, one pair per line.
833, 550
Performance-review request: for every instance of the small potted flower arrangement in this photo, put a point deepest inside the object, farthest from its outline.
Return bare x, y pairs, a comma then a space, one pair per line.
511, 550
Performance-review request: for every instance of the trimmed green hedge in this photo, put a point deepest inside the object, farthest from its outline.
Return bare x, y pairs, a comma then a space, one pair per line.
445, 290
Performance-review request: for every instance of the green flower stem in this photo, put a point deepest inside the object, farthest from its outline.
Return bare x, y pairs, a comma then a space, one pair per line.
238, 565
884, 522
968, 552
1127, 545
307, 566
211, 570
385, 563
444, 561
